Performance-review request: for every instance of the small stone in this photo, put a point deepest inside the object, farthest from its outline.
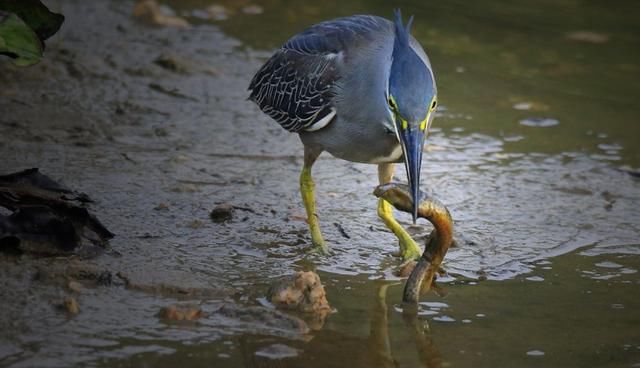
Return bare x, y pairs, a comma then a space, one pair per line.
71, 305
181, 313
161, 207
222, 212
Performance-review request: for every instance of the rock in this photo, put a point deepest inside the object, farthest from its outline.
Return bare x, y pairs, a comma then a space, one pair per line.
303, 292
161, 207
71, 305
181, 313
221, 213
150, 11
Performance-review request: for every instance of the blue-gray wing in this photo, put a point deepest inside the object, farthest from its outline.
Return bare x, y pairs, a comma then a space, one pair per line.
297, 85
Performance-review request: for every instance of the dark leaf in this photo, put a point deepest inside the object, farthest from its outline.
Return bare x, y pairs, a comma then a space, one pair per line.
36, 15
18, 41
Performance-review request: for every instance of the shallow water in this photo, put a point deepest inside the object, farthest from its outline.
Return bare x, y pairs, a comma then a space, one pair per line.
547, 211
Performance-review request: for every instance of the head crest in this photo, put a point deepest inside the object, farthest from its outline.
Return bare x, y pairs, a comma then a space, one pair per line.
402, 31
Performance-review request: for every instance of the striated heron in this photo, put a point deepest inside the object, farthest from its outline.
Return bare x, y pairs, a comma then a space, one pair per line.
361, 88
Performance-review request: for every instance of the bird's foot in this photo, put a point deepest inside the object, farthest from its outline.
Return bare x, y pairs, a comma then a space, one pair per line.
409, 250
320, 248
319, 245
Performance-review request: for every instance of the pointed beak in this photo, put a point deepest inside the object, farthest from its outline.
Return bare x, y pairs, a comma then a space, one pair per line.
412, 141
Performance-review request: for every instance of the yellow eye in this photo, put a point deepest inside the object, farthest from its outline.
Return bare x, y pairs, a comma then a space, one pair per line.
392, 103
434, 103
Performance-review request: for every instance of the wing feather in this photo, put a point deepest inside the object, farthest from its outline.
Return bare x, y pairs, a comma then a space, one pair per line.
297, 85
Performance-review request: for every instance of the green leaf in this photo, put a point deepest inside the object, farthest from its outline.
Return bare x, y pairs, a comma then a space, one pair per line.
18, 41
37, 16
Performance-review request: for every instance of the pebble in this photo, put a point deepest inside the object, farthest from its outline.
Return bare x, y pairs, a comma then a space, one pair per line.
181, 313
222, 212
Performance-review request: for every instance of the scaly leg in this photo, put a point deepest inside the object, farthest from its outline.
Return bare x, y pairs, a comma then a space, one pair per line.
307, 190
409, 250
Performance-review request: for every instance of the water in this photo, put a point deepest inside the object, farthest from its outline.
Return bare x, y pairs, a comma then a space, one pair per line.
548, 212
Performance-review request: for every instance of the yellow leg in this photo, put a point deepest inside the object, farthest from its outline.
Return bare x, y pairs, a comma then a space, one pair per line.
409, 250
307, 187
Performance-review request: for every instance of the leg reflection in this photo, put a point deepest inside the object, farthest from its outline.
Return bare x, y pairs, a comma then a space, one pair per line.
380, 343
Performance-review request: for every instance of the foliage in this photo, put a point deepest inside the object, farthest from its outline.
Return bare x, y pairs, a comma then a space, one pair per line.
24, 25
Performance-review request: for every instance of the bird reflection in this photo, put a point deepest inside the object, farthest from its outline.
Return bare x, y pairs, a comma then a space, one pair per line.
380, 343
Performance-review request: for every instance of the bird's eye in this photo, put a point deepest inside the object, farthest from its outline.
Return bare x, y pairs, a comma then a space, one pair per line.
392, 103
434, 103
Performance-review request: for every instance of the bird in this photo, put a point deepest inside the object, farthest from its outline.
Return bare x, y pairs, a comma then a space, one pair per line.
361, 88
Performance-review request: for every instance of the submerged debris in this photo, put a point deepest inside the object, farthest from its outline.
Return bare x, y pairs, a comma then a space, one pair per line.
181, 313
46, 218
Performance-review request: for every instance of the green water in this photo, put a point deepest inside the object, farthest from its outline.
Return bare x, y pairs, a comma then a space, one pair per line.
490, 55
574, 311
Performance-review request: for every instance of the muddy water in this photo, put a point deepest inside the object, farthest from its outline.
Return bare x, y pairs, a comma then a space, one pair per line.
531, 153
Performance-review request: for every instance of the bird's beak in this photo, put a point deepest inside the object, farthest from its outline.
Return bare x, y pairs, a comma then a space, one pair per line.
412, 140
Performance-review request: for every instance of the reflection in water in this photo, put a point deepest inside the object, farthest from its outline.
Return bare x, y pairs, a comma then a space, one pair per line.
380, 345
428, 353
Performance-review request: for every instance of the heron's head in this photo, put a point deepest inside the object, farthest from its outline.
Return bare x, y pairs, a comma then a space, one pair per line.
412, 99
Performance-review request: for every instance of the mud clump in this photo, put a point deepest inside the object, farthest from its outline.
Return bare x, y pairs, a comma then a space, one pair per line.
70, 304
303, 292
222, 213
150, 12
181, 313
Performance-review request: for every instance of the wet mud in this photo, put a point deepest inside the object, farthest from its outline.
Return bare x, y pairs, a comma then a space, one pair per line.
201, 191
